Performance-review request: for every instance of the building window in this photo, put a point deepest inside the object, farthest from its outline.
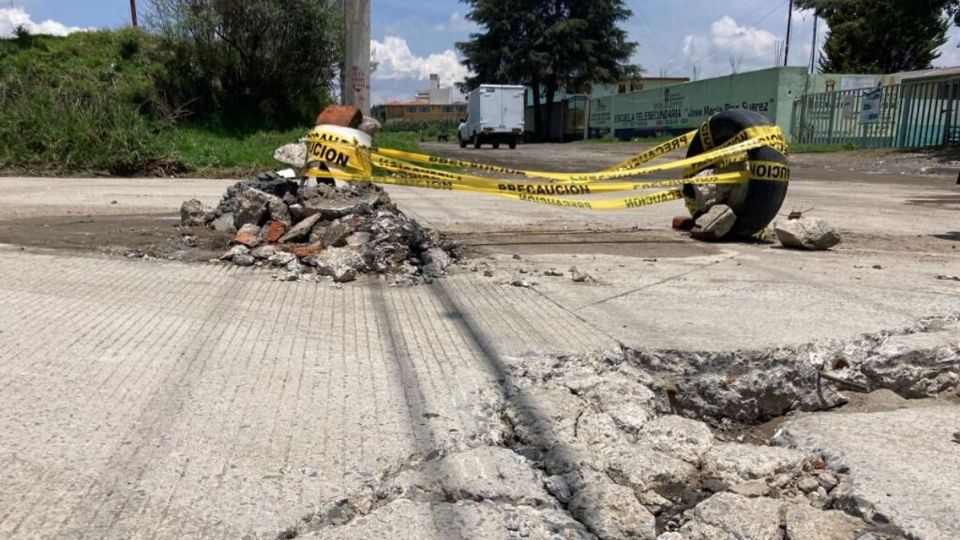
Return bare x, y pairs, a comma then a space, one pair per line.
448, 109
411, 109
425, 110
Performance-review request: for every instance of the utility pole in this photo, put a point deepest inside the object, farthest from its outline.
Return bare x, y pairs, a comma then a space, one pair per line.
786, 48
813, 48
133, 12
355, 89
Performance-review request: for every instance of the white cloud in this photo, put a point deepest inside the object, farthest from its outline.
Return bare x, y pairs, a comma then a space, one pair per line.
753, 46
11, 18
395, 61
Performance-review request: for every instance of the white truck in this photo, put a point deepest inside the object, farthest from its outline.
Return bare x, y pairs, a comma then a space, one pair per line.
494, 116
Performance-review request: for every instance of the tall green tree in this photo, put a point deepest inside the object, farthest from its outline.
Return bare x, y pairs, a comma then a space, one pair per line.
547, 45
882, 36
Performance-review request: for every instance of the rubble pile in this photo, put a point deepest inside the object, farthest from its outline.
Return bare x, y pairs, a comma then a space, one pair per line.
311, 228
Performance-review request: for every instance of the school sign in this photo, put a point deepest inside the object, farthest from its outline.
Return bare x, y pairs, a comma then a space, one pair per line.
681, 107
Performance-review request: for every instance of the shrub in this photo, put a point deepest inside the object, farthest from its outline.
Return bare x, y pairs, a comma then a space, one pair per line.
250, 64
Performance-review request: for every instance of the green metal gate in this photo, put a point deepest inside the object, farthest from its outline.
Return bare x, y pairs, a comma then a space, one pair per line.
908, 115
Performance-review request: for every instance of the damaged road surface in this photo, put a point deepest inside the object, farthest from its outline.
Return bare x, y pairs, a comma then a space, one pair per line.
681, 392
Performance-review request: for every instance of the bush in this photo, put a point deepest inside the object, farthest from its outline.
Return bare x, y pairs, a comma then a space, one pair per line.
250, 64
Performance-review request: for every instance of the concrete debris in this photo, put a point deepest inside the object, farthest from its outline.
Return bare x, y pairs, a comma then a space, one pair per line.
248, 235
728, 515
336, 231
371, 126
553, 272
234, 251
191, 213
714, 224
578, 276
591, 442
734, 464
807, 233
224, 223
293, 154
612, 512
808, 523
945, 277
244, 259
754, 385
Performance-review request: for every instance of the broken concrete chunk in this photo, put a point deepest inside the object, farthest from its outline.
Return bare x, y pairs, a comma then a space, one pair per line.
727, 515
293, 154
807, 233
753, 488
734, 464
233, 252
273, 231
370, 126
281, 258
359, 239
263, 252
715, 223
252, 207
248, 235
344, 274
643, 468
336, 233
277, 210
301, 230
224, 224
680, 437
436, 262
578, 276
334, 261
244, 259
612, 511
806, 522
485, 472
192, 213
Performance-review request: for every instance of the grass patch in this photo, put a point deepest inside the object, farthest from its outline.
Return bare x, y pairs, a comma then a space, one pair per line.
214, 152
405, 141
219, 153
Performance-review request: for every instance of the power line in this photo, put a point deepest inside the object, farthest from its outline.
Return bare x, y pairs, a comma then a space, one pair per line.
732, 39
649, 29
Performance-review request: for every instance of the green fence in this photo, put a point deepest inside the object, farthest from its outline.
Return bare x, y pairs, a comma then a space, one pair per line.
908, 115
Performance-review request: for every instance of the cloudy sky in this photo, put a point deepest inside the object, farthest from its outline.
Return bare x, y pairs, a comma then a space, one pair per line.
412, 39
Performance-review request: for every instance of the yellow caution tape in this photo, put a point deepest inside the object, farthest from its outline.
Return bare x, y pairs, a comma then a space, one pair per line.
333, 155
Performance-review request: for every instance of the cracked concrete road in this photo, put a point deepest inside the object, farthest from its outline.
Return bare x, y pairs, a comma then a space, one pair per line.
177, 400
170, 400
902, 463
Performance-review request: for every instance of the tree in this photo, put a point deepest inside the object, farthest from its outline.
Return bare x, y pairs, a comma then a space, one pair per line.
547, 45
882, 36
274, 60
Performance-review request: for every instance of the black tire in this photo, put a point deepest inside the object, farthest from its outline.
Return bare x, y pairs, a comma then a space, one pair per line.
496, 146
463, 143
476, 140
513, 143
763, 198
